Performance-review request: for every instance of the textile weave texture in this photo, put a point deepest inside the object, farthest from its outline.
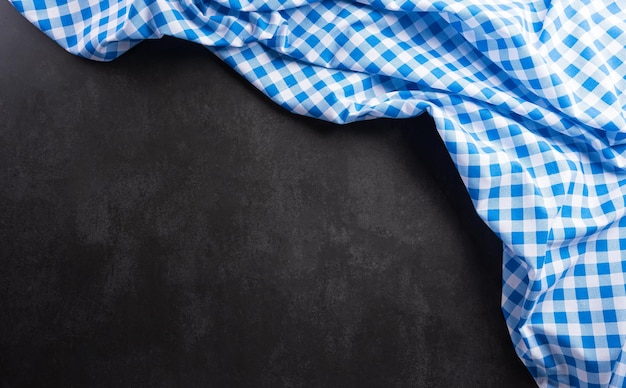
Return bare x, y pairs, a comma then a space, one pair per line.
527, 97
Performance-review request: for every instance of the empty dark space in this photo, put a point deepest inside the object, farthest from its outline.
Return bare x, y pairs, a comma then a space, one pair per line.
163, 224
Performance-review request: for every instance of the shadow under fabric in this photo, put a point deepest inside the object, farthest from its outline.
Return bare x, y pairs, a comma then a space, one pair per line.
528, 99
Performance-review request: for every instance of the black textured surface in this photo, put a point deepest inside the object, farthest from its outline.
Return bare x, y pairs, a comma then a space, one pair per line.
163, 224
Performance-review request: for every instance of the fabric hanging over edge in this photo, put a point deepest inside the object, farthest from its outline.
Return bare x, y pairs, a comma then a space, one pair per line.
527, 97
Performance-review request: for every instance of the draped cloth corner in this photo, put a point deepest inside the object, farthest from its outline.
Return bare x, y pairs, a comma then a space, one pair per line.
527, 97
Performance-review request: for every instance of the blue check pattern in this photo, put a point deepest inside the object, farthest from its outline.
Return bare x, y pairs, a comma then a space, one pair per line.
527, 96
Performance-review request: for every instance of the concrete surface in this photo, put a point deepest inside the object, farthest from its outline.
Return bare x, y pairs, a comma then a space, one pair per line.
164, 224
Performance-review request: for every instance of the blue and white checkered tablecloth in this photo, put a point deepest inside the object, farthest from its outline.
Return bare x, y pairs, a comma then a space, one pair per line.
527, 96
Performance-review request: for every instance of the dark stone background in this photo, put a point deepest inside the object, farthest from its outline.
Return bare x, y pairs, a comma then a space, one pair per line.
164, 224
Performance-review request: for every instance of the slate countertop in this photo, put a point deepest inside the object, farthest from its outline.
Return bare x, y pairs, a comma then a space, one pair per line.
162, 223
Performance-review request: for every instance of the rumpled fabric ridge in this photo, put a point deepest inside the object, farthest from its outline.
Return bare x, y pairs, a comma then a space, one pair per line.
527, 96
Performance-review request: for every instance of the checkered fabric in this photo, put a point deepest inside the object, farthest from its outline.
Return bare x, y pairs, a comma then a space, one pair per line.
527, 96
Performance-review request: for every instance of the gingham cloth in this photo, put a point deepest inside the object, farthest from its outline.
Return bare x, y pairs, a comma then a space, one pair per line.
527, 97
